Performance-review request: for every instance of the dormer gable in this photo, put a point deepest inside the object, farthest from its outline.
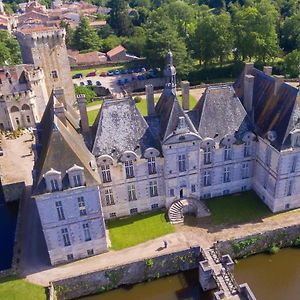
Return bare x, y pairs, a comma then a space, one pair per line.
76, 176
53, 180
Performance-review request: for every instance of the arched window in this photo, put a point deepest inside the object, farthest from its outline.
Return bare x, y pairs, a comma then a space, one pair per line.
14, 109
25, 107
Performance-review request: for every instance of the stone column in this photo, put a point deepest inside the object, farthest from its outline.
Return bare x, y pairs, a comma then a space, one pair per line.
85, 128
248, 92
185, 91
59, 111
150, 99
279, 80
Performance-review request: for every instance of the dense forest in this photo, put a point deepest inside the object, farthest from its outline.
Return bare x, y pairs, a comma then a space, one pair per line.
201, 34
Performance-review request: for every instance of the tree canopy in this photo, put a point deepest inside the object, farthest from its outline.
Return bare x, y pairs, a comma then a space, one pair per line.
9, 49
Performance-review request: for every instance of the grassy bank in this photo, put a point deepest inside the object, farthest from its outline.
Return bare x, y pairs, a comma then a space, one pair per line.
137, 229
13, 288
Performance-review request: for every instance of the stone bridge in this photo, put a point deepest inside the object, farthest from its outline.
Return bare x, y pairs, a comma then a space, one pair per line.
216, 272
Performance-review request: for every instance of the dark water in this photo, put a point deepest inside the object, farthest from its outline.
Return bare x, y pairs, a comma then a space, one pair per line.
271, 277
8, 219
183, 286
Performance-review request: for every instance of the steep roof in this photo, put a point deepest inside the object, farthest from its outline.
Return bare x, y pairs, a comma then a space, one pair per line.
115, 51
61, 148
220, 112
279, 113
121, 127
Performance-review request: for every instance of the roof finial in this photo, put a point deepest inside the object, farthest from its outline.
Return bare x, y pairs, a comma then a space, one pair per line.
170, 71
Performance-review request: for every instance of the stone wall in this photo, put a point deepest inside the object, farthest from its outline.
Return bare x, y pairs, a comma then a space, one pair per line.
139, 271
13, 191
261, 242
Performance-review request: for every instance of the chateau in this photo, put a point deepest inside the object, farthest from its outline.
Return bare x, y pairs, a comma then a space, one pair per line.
238, 137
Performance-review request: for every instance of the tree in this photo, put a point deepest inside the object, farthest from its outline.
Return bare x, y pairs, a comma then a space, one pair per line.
255, 30
9, 49
85, 37
110, 42
161, 36
119, 19
69, 32
290, 33
292, 64
213, 37
136, 44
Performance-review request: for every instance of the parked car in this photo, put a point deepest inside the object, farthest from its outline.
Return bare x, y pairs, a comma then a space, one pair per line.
110, 73
117, 72
133, 77
143, 70
91, 74
123, 71
126, 80
130, 71
78, 75
137, 70
89, 82
141, 77
120, 82
103, 74
81, 83
98, 83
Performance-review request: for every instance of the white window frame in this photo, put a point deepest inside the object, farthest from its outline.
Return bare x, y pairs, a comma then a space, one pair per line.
182, 163
109, 197
245, 170
105, 172
153, 188
77, 180
207, 155
60, 210
227, 152
290, 188
193, 188
226, 175
133, 211
207, 178
54, 185
151, 165
129, 170
66, 237
247, 149
294, 164
86, 232
81, 206
131, 192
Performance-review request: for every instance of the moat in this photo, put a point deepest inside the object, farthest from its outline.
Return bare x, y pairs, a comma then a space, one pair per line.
271, 277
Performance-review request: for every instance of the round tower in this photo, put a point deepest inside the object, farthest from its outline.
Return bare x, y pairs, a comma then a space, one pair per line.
170, 71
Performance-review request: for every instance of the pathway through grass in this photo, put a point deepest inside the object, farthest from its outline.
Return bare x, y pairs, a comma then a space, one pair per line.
137, 229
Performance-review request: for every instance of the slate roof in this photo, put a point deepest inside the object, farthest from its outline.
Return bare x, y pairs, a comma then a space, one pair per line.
220, 112
278, 113
61, 148
169, 111
121, 127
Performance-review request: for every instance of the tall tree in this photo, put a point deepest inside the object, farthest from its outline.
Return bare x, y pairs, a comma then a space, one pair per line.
290, 33
85, 37
292, 64
9, 49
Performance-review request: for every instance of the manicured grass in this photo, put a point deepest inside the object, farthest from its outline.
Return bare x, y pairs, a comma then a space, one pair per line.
98, 70
237, 208
137, 229
92, 115
13, 288
96, 102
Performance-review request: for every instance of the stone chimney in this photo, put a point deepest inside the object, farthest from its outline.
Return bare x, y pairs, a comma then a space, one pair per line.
85, 128
248, 68
279, 80
248, 92
185, 91
268, 70
150, 99
59, 111
60, 95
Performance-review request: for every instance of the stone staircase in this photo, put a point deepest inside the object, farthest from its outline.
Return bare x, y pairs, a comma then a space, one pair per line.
188, 205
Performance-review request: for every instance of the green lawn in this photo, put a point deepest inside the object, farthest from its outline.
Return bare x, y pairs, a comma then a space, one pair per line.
13, 288
237, 208
92, 115
137, 229
98, 70
96, 102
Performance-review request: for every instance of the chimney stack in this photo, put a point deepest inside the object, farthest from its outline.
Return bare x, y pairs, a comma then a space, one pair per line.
248, 68
268, 70
85, 128
279, 80
248, 92
59, 111
185, 91
150, 99
60, 95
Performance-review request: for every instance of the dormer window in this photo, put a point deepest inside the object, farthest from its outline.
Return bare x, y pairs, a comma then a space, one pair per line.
53, 180
247, 149
151, 165
207, 155
76, 176
105, 172
227, 152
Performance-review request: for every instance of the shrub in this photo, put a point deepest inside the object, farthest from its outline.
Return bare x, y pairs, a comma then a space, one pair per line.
297, 242
273, 249
137, 99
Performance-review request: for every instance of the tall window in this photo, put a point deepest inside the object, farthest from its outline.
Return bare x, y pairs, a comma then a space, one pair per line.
54, 74
129, 169
86, 232
227, 152
66, 237
181, 163
245, 170
153, 188
28, 119
131, 192
247, 149
81, 206
54, 185
172, 193
289, 188
193, 188
151, 165
294, 164
207, 155
226, 176
206, 178
268, 156
109, 197
105, 171
60, 211
77, 180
